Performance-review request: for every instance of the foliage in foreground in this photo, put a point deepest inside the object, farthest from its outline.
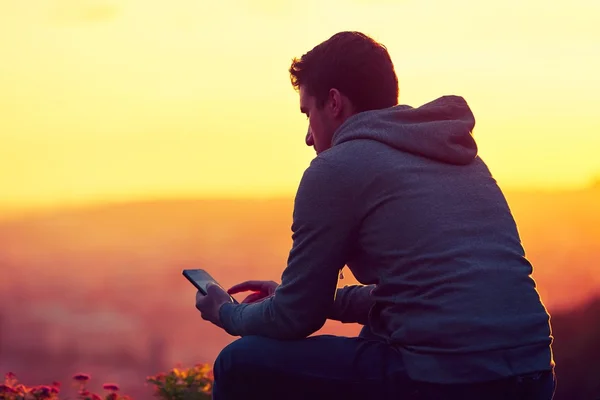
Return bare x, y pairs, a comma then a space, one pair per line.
178, 384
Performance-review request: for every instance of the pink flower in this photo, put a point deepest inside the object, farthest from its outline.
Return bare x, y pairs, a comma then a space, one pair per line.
84, 392
96, 397
81, 377
10, 379
111, 387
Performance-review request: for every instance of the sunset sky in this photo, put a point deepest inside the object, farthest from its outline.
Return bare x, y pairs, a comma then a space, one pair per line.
127, 99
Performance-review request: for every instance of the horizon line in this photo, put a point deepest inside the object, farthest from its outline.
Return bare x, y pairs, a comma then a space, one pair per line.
11, 210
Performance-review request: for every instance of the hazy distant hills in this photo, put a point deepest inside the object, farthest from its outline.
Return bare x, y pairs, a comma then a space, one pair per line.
561, 235
577, 350
251, 238
220, 235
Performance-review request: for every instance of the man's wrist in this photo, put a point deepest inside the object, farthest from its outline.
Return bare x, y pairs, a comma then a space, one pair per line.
224, 315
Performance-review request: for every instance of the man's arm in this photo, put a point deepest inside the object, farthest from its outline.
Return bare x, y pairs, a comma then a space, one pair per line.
352, 304
324, 225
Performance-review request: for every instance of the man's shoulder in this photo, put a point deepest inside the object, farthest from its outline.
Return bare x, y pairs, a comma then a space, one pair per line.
339, 169
350, 155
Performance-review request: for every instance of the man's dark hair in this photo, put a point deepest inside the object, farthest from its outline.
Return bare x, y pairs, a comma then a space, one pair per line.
353, 63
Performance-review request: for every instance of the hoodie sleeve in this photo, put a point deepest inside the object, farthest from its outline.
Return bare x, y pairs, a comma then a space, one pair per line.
352, 304
323, 228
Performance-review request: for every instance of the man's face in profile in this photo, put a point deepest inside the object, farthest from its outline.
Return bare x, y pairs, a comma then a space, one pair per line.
320, 123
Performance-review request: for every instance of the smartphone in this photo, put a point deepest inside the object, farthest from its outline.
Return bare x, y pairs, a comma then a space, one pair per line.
200, 279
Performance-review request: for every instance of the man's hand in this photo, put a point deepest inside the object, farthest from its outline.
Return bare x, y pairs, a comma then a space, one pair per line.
261, 289
210, 304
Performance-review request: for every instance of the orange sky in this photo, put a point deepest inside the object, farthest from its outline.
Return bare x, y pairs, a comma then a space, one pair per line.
118, 100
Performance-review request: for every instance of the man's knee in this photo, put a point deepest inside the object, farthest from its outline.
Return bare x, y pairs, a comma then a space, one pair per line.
236, 358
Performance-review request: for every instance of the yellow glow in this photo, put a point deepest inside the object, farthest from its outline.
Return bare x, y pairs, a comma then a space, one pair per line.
115, 100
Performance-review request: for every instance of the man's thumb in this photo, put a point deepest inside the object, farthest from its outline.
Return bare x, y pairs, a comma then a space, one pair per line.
212, 288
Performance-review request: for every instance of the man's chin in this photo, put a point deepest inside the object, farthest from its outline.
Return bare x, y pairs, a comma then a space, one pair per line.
319, 151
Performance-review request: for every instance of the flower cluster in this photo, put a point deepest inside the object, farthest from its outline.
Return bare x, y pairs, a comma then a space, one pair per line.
84, 394
191, 384
13, 390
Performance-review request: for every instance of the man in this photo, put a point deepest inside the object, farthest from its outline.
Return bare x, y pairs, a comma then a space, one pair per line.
400, 196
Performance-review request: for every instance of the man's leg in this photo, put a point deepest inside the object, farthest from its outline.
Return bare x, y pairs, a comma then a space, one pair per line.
534, 386
366, 333
318, 367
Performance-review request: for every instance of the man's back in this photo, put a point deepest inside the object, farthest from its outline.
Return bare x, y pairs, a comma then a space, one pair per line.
399, 195
436, 236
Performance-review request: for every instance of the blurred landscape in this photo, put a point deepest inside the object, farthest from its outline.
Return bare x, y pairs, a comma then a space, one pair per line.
99, 289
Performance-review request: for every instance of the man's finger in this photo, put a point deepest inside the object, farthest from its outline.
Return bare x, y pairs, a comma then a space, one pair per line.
251, 298
199, 300
254, 286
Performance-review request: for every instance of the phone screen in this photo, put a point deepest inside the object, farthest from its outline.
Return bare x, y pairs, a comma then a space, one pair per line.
200, 279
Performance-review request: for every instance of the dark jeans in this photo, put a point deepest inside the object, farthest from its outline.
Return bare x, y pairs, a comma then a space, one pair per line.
333, 367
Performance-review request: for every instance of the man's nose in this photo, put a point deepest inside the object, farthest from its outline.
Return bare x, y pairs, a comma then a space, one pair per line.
310, 141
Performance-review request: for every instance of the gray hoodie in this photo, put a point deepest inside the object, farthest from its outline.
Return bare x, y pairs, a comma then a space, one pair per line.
403, 199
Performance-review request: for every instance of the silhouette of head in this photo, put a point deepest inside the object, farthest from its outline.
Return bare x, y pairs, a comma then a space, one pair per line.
346, 74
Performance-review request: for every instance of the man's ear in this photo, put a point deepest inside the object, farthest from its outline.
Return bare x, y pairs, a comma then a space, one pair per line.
336, 102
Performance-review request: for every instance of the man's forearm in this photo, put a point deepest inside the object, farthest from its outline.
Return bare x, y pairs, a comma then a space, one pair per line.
352, 304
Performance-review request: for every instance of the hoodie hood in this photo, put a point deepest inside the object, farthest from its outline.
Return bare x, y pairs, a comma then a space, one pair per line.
440, 130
